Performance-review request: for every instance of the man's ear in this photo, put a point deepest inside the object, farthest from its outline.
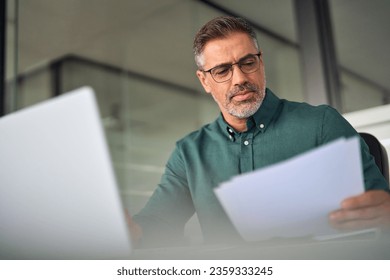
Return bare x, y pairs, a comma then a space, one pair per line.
203, 80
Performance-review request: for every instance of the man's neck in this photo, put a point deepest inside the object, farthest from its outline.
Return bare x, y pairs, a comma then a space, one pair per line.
238, 124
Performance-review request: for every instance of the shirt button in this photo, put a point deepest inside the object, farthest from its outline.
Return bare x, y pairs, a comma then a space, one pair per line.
261, 125
246, 142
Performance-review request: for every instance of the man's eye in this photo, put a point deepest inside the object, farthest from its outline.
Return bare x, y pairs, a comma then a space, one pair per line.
220, 71
248, 62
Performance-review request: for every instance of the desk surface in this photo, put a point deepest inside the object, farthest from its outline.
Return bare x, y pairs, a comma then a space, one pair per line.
357, 249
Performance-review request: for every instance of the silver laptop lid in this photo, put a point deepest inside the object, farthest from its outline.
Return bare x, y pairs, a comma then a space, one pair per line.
58, 193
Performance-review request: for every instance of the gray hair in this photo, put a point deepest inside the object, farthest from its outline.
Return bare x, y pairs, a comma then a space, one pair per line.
220, 27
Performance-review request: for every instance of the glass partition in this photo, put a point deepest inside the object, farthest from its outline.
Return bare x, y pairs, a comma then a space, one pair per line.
361, 41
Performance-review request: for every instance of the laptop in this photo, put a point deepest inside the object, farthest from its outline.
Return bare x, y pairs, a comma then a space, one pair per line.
58, 194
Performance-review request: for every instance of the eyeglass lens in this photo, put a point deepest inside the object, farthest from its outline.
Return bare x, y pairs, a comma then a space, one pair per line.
224, 73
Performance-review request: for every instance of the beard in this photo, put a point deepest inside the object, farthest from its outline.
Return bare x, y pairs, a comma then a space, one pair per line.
246, 108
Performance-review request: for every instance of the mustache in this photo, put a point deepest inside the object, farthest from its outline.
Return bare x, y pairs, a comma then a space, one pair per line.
243, 87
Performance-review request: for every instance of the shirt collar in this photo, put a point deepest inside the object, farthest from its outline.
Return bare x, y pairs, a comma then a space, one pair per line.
261, 119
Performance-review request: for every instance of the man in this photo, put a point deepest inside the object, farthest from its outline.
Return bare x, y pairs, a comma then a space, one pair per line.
255, 129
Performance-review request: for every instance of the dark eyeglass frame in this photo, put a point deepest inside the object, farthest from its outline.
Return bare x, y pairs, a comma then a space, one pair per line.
240, 63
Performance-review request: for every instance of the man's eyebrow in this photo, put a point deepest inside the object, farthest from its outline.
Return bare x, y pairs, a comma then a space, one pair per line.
228, 64
221, 65
245, 57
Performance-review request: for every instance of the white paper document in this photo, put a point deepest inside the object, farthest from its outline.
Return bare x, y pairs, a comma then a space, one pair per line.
293, 198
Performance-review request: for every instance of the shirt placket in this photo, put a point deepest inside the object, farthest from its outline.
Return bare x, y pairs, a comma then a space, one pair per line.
246, 154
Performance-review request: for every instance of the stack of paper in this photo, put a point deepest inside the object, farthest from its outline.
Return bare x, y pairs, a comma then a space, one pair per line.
293, 198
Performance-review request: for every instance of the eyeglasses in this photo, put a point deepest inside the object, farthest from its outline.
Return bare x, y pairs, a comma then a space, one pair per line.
223, 73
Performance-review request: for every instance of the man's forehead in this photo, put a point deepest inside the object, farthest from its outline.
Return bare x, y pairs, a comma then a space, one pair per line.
228, 49
230, 39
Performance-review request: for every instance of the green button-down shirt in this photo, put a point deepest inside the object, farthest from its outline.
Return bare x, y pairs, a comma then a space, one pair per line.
279, 130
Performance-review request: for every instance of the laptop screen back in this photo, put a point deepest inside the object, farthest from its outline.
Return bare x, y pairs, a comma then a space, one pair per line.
58, 193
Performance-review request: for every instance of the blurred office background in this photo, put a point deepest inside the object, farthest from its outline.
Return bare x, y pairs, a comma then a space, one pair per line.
137, 55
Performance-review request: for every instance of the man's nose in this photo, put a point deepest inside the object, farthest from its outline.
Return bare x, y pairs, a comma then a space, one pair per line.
238, 77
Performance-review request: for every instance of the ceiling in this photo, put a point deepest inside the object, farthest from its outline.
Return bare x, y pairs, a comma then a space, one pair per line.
154, 37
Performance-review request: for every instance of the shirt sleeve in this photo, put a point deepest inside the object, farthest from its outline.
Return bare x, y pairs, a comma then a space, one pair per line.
335, 126
169, 208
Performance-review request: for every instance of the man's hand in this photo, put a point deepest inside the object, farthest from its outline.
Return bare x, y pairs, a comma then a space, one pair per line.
370, 209
135, 229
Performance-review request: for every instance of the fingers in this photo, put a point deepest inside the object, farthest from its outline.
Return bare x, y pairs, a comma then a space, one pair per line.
355, 219
371, 209
367, 199
129, 219
135, 229
358, 224
354, 214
